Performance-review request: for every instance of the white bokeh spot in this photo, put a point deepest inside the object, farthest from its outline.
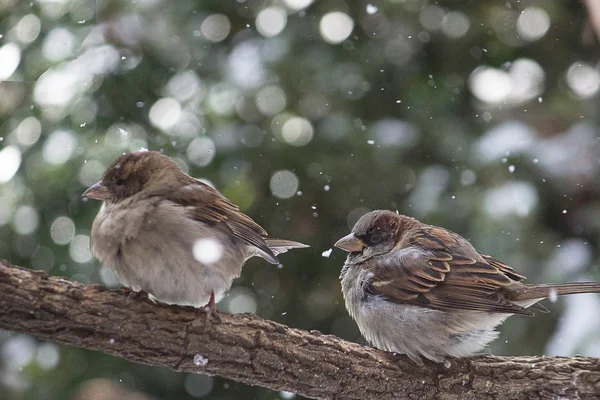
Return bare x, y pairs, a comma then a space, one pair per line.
207, 250
583, 79
79, 250
201, 151
513, 198
215, 27
62, 230
271, 21
284, 184
533, 23
10, 57
10, 160
59, 147
25, 220
297, 131
165, 113
335, 27
296, 5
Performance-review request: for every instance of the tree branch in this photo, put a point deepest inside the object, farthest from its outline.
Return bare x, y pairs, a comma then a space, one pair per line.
251, 350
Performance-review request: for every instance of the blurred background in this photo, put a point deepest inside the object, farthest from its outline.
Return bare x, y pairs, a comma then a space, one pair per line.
480, 116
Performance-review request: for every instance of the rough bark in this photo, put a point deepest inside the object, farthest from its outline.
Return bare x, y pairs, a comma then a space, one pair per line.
251, 350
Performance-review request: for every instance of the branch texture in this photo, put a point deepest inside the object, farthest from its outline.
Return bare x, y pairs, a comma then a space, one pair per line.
254, 351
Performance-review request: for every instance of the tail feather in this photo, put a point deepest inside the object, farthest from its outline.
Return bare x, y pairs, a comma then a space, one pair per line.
540, 307
276, 246
542, 291
279, 246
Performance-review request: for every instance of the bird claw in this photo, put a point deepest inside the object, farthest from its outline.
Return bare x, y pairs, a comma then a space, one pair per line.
211, 312
132, 294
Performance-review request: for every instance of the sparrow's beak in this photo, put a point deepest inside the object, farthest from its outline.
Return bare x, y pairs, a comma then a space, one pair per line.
97, 191
350, 243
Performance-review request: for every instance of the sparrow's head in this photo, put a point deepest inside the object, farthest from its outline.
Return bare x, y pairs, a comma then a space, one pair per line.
376, 232
132, 173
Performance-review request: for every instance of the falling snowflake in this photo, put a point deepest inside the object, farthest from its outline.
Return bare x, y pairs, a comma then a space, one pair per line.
553, 295
371, 9
200, 361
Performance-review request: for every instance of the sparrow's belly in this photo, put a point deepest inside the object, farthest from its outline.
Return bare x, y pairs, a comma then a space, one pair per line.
416, 331
423, 332
173, 279
159, 257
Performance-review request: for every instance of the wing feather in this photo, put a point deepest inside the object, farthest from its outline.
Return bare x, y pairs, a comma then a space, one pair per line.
208, 205
443, 279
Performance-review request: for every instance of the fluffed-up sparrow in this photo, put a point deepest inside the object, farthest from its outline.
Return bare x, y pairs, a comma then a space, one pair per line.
424, 291
170, 235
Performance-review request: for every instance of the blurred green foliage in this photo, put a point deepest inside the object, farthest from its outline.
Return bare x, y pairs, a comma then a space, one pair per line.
480, 116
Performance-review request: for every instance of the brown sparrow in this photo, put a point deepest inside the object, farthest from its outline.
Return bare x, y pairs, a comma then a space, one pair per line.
170, 235
424, 291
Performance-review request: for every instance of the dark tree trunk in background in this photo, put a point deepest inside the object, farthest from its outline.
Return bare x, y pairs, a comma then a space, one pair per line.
251, 350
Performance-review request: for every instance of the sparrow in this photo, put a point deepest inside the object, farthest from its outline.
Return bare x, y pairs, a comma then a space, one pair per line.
172, 236
424, 291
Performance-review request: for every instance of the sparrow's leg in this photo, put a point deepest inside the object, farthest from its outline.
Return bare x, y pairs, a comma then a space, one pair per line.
211, 311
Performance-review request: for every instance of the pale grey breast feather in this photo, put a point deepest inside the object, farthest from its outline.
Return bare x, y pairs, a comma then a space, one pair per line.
161, 261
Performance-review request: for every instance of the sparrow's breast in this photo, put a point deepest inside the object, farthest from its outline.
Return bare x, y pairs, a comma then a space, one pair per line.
163, 252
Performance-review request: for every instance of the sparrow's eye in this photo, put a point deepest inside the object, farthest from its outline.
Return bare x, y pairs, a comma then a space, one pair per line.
120, 182
375, 238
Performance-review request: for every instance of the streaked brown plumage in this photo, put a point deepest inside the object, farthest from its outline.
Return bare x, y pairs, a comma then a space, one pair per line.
152, 218
425, 291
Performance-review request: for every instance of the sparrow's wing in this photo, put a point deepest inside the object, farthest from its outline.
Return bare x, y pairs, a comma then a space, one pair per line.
439, 279
208, 205
506, 269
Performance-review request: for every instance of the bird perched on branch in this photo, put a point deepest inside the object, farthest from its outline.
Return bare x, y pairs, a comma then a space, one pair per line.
172, 236
424, 291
